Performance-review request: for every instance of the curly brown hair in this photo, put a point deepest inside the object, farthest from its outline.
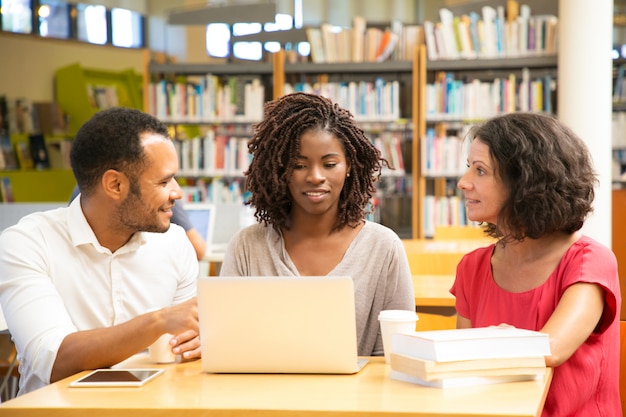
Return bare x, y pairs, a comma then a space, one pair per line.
275, 146
547, 169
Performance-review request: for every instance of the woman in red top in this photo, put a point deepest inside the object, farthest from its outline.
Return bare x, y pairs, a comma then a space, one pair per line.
531, 183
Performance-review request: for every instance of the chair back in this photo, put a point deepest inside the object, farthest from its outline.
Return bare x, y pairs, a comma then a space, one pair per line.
622, 364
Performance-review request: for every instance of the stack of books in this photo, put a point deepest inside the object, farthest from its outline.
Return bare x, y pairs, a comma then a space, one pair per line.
461, 357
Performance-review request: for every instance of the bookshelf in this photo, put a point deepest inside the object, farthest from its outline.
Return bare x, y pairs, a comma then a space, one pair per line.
363, 88
619, 123
277, 76
414, 77
509, 70
498, 86
81, 92
210, 109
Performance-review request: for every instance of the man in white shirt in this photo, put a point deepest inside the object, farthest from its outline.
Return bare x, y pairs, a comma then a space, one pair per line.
89, 285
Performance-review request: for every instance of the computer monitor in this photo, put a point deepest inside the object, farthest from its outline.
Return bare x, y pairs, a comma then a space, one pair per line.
202, 217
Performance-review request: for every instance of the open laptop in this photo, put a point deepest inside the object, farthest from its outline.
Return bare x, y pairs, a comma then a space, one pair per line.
278, 325
217, 223
229, 219
202, 218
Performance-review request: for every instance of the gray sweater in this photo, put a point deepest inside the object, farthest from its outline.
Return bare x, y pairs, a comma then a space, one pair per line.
375, 260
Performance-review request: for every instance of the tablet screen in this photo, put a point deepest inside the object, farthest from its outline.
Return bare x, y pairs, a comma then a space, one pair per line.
117, 378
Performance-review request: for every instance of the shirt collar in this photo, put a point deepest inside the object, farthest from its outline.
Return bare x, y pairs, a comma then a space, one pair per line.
82, 234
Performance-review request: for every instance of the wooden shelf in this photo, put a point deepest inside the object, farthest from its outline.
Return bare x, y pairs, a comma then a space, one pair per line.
351, 67
256, 68
531, 62
41, 186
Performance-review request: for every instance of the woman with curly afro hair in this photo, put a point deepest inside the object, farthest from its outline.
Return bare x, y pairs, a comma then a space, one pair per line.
312, 175
531, 182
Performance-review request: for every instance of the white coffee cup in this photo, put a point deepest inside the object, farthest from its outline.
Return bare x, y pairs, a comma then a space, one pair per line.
395, 321
161, 350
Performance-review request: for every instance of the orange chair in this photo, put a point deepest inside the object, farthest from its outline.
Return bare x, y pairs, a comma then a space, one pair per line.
622, 366
9, 375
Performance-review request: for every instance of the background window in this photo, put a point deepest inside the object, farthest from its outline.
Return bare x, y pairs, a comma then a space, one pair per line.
218, 40
247, 50
127, 28
91, 23
17, 16
54, 19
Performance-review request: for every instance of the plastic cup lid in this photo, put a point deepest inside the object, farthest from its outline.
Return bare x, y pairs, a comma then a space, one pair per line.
397, 315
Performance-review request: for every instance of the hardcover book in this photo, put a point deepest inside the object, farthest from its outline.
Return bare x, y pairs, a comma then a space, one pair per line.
472, 343
460, 382
431, 370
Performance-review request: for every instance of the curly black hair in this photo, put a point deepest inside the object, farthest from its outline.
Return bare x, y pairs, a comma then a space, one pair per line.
275, 146
547, 169
111, 139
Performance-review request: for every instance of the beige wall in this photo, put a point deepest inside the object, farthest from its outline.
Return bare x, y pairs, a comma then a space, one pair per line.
28, 63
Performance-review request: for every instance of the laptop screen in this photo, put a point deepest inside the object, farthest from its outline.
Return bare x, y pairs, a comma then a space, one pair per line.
277, 324
202, 217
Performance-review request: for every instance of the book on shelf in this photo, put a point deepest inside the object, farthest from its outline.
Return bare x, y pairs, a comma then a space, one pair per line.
24, 157
48, 118
386, 46
59, 154
314, 37
39, 151
6, 190
373, 36
462, 381
359, 25
4, 115
464, 38
412, 36
429, 39
8, 159
329, 42
619, 88
21, 115
431, 370
102, 96
472, 343
447, 30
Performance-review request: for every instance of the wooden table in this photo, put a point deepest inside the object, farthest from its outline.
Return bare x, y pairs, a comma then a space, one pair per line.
433, 302
184, 390
211, 263
439, 257
433, 290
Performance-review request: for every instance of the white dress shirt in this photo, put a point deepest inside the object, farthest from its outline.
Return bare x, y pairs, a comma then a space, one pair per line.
56, 279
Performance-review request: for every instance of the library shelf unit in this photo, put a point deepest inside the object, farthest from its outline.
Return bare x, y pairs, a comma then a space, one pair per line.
618, 196
276, 74
619, 123
211, 138
413, 76
389, 81
81, 92
31, 183
438, 192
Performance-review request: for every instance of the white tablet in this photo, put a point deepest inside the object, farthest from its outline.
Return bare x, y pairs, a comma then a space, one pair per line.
117, 378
